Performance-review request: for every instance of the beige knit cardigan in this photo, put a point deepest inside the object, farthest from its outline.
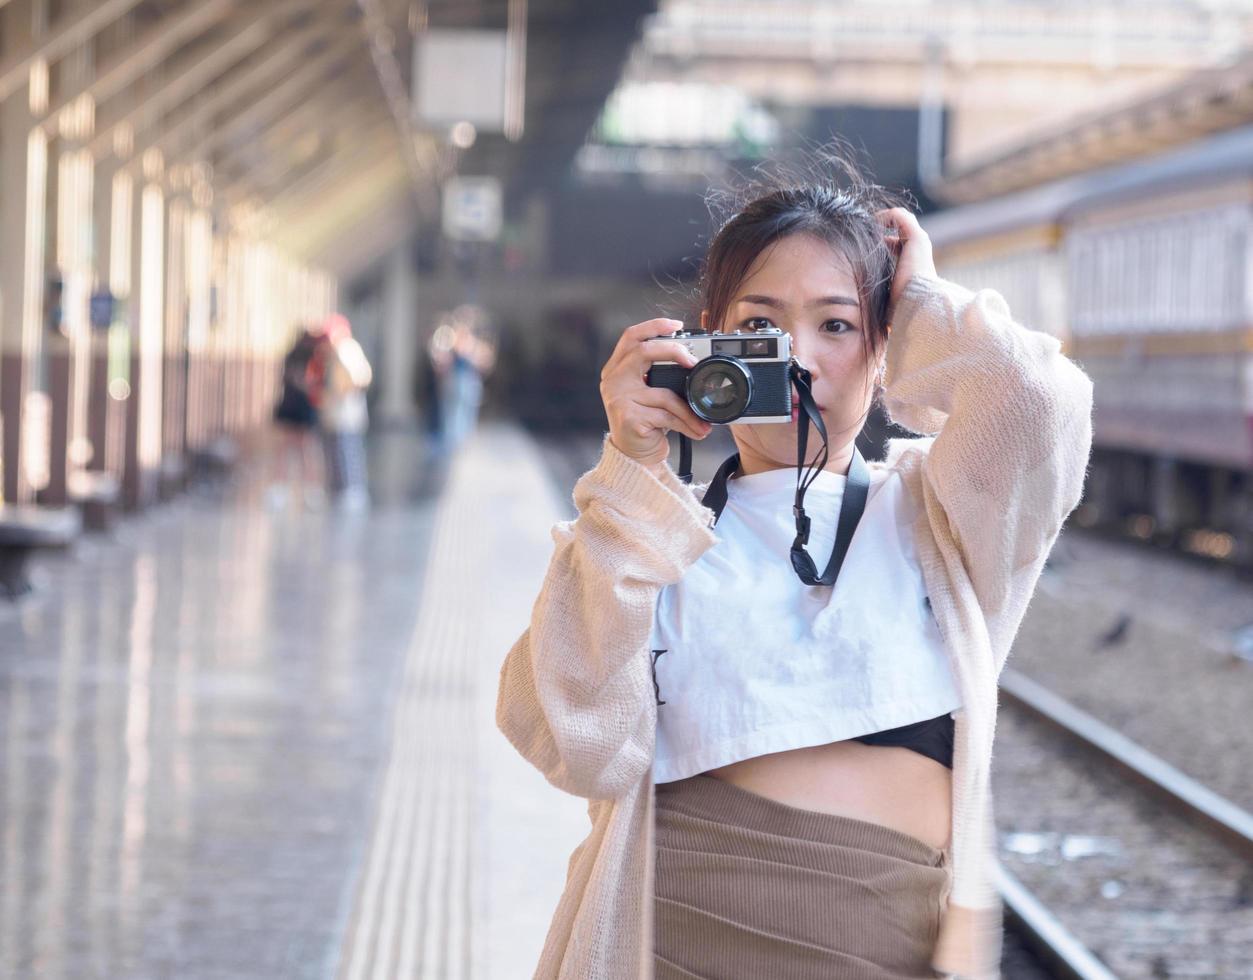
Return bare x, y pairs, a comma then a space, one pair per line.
988, 493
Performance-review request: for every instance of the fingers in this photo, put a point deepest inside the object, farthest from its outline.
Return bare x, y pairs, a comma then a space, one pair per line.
900, 226
653, 351
901, 220
643, 411
634, 361
635, 335
640, 415
682, 418
659, 327
659, 418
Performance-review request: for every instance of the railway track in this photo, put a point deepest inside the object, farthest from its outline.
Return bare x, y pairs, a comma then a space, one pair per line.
1038, 940
1205, 809
1189, 806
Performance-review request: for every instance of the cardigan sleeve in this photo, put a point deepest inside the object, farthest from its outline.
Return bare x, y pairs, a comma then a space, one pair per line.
1013, 417
576, 695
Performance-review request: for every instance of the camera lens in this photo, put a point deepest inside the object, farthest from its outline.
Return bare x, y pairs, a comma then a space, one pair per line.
719, 389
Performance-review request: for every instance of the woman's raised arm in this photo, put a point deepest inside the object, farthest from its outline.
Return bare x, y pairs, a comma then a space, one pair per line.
1014, 423
1013, 417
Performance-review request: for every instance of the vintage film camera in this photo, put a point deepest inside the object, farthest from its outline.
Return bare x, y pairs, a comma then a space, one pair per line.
739, 377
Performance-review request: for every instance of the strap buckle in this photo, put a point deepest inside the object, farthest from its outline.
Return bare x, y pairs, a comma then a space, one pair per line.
803, 524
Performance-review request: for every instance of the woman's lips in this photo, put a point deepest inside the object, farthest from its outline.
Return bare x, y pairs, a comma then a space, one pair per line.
796, 403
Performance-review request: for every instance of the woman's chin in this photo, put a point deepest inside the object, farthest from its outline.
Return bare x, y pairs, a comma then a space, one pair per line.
773, 450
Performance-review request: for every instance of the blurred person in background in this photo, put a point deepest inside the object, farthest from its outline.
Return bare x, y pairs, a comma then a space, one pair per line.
798, 766
469, 358
296, 418
436, 384
343, 414
428, 390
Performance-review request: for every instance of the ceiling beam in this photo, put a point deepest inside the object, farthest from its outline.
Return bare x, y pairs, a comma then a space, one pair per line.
268, 186
277, 100
207, 64
231, 87
67, 34
146, 51
337, 168
331, 108
325, 115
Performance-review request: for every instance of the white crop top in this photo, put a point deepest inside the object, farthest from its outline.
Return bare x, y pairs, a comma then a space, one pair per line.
748, 660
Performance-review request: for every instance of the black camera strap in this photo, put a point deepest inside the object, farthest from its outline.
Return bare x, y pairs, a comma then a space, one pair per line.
853, 503
685, 458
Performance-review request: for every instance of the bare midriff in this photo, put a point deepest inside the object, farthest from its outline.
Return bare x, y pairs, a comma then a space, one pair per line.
887, 785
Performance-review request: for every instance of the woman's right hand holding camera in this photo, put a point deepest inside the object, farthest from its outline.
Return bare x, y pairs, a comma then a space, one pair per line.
640, 416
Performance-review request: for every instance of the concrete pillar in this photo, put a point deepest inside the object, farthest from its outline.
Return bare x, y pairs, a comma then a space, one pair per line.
25, 411
174, 347
68, 348
111, 274
398, 347
145, 315
201, 369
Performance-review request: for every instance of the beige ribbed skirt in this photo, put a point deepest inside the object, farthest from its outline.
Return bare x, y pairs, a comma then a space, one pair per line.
749, 888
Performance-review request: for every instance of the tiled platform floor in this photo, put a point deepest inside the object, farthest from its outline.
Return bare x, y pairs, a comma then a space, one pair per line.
197, 719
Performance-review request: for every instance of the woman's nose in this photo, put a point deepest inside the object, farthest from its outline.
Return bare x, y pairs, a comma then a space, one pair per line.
800, 350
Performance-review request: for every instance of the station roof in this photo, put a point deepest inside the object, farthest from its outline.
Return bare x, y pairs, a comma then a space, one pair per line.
294, 115
1209, 101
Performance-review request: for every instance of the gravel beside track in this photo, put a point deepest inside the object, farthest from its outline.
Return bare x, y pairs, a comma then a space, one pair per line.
1171, 677
1141, 888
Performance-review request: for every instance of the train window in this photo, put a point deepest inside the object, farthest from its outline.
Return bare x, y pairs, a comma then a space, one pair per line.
1150, 275
1080, 298
1084, 276
1139, 253
1101, 292
1235, 254
1211, 302
1128, 279
1166, 272
1196, 272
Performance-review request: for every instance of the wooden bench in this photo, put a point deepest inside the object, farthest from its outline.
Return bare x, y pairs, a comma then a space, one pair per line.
24, 530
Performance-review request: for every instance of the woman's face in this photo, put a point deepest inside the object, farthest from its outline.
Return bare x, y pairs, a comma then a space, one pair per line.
803, 286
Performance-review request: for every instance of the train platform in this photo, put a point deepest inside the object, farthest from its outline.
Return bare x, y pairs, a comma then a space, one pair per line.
246, 742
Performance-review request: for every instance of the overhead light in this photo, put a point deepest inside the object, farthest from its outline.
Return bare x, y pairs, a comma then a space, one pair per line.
463, 135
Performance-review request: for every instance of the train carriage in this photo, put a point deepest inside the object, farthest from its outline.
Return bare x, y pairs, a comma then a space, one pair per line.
1143, 271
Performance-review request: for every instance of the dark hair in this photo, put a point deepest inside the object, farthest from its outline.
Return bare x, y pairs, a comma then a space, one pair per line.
827, 196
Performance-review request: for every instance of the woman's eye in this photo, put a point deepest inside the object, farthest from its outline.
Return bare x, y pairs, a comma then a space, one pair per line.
756, 323
837, 326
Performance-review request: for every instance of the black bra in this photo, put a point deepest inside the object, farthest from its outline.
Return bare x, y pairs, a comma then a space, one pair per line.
932, 738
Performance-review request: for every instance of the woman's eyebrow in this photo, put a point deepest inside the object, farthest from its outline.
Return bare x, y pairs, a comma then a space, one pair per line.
770, 301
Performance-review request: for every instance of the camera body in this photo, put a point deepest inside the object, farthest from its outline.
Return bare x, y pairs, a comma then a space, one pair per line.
738, 377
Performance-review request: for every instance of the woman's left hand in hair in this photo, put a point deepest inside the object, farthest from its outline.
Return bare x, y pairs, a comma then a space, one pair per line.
912, 246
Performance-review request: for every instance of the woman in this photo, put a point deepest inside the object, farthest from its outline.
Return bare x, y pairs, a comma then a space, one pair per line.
296, 416
791, 780
344, 414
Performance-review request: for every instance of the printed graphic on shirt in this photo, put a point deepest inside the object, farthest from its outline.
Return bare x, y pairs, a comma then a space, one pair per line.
656, 686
